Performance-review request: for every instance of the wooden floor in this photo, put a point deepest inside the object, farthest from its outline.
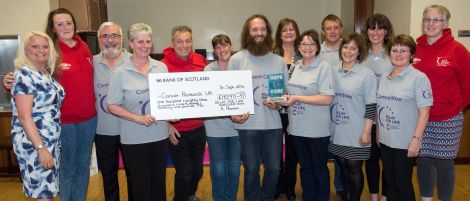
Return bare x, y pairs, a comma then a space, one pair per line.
10, 188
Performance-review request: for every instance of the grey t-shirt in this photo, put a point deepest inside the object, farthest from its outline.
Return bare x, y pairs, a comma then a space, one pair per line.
129, 89
261, 68
108, 124
354, 90
379, 63
398, 102
218, 126
304, 119
329, 55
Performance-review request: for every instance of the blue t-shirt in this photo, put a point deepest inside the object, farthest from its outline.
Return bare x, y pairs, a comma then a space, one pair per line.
354, 90
108, 124
398, 102
316, 79
261, 68
130, 89
218, 126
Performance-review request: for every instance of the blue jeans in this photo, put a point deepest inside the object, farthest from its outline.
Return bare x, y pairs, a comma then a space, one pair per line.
225, 167
76, 141
314, 173
254, 145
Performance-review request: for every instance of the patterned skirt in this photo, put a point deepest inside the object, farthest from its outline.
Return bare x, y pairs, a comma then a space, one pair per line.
442, 138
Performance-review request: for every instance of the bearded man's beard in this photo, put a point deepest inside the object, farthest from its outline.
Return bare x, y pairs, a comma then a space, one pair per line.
258, 49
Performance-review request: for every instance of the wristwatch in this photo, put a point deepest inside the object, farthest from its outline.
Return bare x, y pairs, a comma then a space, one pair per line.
40, 146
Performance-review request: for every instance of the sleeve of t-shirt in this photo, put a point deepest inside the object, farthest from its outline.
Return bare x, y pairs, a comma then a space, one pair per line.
326, 83
234, 62
370, 88
24, 82
115, 90
463, 75
423, 92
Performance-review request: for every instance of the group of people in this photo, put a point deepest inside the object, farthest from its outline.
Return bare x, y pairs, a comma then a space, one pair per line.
365, 97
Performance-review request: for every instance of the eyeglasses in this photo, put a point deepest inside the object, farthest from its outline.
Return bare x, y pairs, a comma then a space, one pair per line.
396, 51
306, 45
110, 36
433, 20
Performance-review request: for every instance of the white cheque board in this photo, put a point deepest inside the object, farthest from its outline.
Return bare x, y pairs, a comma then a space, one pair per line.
200, 94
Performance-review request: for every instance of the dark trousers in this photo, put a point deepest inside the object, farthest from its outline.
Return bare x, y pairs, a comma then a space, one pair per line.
107, 156
314, 174
187, 157
399, 170
288, 173
146, 166
373, 167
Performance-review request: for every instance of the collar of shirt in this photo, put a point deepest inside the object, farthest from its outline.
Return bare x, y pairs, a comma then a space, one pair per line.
402, 73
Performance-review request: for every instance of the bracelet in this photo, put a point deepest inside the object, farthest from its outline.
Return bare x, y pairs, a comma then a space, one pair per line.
418, 138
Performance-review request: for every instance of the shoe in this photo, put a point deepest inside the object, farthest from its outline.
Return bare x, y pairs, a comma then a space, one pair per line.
193, 198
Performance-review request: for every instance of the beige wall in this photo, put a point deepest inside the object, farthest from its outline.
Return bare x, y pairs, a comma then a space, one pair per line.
459, 19
398, 11
347, 16
211, 17
20, 16
406, 15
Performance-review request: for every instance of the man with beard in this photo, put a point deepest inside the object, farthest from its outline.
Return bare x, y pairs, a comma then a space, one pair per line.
261, 133
188, 141
107, 138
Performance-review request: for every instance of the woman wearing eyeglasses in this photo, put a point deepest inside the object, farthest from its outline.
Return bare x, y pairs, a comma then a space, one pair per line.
446, 62
403, 100
311, 91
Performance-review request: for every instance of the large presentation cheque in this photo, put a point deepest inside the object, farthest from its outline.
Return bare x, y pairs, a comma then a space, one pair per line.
200, 94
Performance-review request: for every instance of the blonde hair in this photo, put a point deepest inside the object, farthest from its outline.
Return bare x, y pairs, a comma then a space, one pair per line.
23, 60
442, 9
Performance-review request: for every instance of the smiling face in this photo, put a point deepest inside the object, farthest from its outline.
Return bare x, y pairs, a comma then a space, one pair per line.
400, 56
63, 26
376, 35
258, 30
37, 51
141, 45
308, 48
434, 23
223, 52
182, 43
332, 31
110, 41
288, 33
350, 52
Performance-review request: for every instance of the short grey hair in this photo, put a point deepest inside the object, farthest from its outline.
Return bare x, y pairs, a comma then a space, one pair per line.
181, 28
138, 28
109, 24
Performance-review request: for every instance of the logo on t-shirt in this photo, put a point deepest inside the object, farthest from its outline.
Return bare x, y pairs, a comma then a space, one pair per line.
442, 62
388, 119
65, 66
427, 94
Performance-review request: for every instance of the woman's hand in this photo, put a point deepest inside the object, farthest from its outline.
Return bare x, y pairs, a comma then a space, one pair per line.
290, 100
174, 134
145, 120
239, 119
414, 147
46, 159
8, 80
272, 105
365, 139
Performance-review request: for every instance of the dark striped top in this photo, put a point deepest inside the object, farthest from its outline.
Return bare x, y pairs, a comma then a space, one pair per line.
351, 153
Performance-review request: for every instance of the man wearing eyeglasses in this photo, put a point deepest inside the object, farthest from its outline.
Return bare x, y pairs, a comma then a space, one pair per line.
189, 140
107, 138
